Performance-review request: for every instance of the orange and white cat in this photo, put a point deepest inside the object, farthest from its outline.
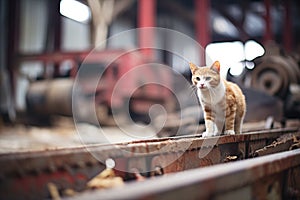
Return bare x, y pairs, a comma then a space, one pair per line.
223, 102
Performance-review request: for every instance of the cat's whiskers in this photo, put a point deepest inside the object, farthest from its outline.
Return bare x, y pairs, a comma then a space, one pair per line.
193, 90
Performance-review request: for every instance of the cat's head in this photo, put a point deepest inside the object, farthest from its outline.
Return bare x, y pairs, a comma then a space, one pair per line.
206, 77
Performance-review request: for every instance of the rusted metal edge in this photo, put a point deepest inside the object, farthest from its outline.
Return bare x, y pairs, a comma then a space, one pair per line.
73, 167
86, 154
248, 136
282, 144
202, 183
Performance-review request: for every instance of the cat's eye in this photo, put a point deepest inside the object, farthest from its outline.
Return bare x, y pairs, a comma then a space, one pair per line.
208, 78
197, 78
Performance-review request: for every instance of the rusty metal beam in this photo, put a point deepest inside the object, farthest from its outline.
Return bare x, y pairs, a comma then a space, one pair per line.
73, 167
79, 56
257, 178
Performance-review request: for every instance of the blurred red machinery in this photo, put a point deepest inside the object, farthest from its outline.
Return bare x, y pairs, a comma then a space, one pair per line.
55, 96
145, 18
42, 97
114, 64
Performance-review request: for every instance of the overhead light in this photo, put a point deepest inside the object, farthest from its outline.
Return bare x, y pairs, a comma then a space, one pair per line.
75, 10
228, 53
232, 54
236, 69
253, 50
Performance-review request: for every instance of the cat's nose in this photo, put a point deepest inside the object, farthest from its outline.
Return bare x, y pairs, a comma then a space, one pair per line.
201, 85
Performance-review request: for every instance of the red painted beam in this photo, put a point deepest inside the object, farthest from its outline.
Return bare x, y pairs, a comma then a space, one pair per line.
13, 35
287, 33
146, 18
268, 22
202, 26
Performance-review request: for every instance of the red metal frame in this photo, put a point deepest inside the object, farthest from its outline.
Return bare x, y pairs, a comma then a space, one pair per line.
124, 62
146, 18
268, 32
202, 26
287, 29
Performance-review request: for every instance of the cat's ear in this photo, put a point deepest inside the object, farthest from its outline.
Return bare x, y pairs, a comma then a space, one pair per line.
193, 67
216, 66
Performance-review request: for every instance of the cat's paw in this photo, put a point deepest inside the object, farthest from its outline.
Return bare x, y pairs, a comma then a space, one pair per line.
206, 134
229, 132
209, 134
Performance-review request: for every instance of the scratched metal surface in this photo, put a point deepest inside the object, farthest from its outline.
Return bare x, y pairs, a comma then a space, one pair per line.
73, 167
274, 176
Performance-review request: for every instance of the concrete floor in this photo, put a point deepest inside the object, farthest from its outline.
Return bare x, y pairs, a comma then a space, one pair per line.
65, 134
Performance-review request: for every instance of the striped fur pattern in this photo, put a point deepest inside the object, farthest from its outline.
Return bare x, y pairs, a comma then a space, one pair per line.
222, 101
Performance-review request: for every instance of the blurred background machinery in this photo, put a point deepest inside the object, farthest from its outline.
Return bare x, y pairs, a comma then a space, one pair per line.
44, 43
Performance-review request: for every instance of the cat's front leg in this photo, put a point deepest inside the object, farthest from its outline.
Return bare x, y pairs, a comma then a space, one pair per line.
210, 129
219, 124
229, 123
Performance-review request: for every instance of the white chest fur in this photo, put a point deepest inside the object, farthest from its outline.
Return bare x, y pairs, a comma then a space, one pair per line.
212, 96
214, 99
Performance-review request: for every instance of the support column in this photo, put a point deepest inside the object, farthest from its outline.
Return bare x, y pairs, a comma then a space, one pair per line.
202, 19
13, 35
287, 33
146, 18
268, 31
